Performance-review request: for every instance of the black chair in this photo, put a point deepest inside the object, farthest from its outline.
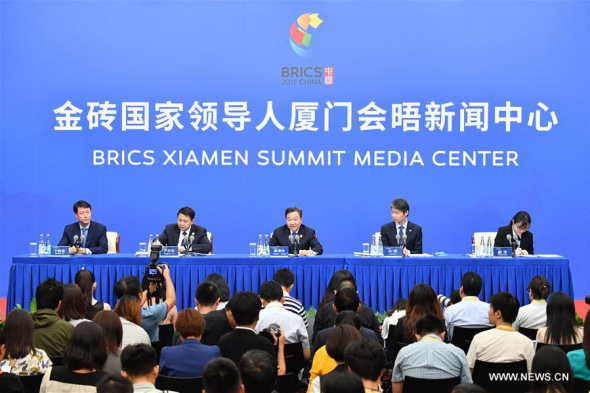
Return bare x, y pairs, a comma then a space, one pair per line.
564, 348
580, 386
530, 333
157, 345
32, 383
397, 346
288, 383
482, 372
57, 361
463, 335
166, 334
419, 385
180, 385
294, 359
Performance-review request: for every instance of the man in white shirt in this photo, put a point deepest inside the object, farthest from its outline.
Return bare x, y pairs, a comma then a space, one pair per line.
139, 364
286, 279
271, 295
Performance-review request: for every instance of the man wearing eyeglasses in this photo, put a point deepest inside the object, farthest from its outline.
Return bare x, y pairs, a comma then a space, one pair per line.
401, 232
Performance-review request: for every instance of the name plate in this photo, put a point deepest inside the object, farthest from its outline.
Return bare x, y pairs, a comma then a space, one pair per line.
279, 251
393, 252
60, 251
503, 252
169, 251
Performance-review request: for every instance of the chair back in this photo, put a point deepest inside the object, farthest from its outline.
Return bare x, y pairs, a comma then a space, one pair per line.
580, 386
157, 345
463, 335
113, 240
57, 361
294, 359
32, 383
166, 334
530, 333
420, 385
482, 372
180, 385
564, 348
288, 383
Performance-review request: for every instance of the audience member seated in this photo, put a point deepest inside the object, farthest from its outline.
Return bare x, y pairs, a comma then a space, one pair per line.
422, 301
272, 299
286, 279
222, 376
551, 361
189, 358
346, 301
326, 316
217, 323
139, 364
114, 384
9, 383
87, 283
430, 357
51, 333
343, 383
84, 357
580, 358
366, 359
259, 371
502, 344
245, 307
73, 308
561, 328
221, 283
330, 358
470, 311
335, 280
150, 316
20, 355
129, 310
534, 315
113, 334
395, 314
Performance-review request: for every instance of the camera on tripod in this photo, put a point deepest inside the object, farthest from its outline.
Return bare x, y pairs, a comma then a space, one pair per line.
152, 274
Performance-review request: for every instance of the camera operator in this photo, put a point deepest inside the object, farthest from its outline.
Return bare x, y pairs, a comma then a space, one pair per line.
151, 316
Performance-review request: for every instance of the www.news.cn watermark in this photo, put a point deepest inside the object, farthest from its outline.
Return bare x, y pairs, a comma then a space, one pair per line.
529, 377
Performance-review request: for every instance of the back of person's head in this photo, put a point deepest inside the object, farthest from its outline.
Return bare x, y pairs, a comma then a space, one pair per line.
471, 283
507, 304
342, 383
430, 324
399, 305
87, 348
468, 388
186, 211
335, 280
112, 328
73, 305
259, 371
422, 301
85, 281
207, 294
551, 360
347, 283
348, 317
284, 277
138, 360
346, 299
455, 296
49, 293
245, 307
221, 283
366, 358
128, 285
221, 375
114, 384
522, 218
561, 319
18, 329
190, 323
338, 339
539, 287
270, 291
129, 307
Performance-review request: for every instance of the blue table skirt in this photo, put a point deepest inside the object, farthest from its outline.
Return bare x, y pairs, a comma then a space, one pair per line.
381, 281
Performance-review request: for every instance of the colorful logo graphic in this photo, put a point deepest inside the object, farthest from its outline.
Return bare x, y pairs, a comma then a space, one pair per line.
299, 36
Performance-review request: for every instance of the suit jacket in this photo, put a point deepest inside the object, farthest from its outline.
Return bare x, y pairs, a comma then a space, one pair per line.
322, 337
201, 243
187, 359
307, 239
326, 318
413, 231
96, 238
239, 341
526, 239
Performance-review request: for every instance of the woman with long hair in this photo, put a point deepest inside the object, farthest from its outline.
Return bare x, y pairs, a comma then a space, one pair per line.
335, 280
87, 283
20, 354
113, 334
73, 309
128, 308
561, 328
551, 360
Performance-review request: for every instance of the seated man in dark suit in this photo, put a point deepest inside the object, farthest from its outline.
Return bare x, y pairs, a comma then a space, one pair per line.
519, 233
92, 235
296, 235
181, 233
402, 229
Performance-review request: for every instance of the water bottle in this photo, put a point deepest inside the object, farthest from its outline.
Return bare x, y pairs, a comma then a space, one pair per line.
260, 248
157, 241
482, 247
149, 245
47, 245
373, 245
490, 249
266, 245
41, 246
380, 246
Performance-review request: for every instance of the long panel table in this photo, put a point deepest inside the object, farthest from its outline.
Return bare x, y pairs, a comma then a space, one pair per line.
381, 281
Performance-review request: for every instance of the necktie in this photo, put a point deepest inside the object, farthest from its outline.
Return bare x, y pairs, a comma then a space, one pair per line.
84, 232
184, 240
401, 235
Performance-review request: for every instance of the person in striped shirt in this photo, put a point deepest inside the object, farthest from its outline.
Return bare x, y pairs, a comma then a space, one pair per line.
285, 278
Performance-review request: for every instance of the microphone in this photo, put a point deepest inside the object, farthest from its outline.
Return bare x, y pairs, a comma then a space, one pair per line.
512, 244
191, 239
295, 243
77, 242
397, 239
405, 239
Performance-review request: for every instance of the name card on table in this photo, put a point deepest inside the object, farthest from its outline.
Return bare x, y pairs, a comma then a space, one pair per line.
393, 252
169, 251
60, 251
279, 251
503, 252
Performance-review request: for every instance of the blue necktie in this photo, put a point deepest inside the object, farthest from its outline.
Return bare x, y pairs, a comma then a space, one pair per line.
84, 232
401, 235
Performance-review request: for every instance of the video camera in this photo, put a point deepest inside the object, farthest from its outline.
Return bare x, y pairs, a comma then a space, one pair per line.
152, 274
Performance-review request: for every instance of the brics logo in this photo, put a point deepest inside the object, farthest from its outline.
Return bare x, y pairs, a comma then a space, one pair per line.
299, 37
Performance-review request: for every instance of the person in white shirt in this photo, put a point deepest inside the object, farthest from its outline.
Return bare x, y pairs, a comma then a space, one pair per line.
140, 365
271, 295
534, 315
286, 279
470, 311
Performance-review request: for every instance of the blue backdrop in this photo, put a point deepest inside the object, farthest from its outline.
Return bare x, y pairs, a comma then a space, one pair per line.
382, 52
